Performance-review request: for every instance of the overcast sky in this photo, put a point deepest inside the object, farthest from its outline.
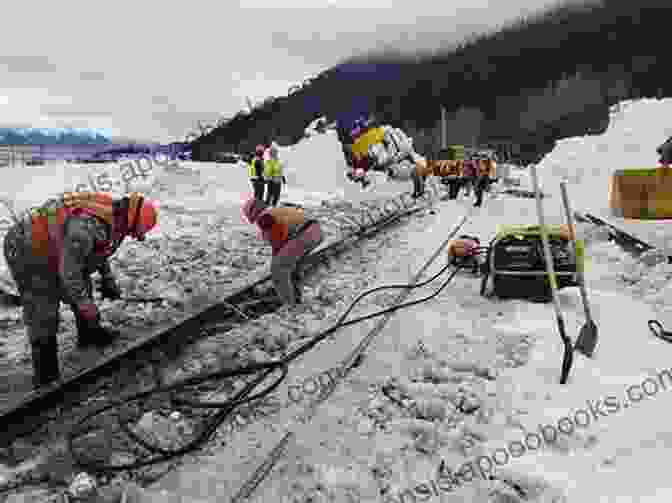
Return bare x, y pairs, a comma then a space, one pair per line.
149, 69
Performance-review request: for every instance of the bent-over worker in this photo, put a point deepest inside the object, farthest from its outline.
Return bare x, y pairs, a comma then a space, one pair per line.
51, 252
291, 235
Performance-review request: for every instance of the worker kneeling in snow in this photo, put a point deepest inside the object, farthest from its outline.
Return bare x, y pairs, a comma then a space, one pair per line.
291, 236
51, 252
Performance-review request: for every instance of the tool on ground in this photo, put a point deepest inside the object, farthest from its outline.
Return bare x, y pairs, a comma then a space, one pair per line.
569, 354
587, 339
659, 331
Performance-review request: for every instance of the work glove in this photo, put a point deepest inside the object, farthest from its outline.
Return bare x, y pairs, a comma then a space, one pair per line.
109, 289
284, 180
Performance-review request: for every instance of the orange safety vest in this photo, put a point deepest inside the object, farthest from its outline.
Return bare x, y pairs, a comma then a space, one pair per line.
424, 168
487, 168
283, 217
47, 223
449, 168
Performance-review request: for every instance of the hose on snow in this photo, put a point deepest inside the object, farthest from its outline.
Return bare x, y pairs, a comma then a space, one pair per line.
241, 397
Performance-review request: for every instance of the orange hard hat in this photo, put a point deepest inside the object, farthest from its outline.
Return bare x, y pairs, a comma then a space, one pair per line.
143, 215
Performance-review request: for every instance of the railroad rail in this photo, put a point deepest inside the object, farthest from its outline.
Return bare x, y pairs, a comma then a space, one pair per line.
626, 241
250, 301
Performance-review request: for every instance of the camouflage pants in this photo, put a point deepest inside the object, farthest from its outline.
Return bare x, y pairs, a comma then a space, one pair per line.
39, 287
283, 265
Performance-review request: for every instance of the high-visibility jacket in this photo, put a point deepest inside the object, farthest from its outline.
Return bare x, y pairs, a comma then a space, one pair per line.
424, 168
49, 234
450, 169
272, 168
47, 221
487, 168
287, 224
252, 168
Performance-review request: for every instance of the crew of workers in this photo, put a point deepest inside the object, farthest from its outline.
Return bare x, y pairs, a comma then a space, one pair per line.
266, 174
477, 174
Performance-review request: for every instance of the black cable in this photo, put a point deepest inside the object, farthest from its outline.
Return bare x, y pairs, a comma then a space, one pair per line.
242, 396
658, 330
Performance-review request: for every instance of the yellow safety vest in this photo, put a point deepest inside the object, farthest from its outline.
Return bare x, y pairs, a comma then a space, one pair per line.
252, 170
272, 167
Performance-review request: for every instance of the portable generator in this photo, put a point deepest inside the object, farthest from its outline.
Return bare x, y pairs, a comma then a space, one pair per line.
515, 265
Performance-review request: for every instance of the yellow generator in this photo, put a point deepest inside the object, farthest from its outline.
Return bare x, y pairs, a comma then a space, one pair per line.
515, 266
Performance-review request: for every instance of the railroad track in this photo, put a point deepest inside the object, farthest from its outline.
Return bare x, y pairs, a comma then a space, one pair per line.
33, 410
627, 242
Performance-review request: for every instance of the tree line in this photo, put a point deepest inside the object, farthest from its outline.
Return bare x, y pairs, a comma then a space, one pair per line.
527, 84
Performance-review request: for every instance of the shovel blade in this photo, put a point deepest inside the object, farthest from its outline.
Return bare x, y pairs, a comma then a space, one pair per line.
587, 339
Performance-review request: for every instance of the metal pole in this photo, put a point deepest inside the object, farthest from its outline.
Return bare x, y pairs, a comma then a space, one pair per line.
444, 131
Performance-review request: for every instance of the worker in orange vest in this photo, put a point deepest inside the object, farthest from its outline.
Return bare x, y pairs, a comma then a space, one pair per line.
291, 235
51, 252
485, 176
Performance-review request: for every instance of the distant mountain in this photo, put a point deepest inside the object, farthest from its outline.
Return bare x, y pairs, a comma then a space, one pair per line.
51, 136
125, 139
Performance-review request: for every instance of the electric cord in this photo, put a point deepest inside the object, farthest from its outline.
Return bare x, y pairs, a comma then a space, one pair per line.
657, 329
242, 396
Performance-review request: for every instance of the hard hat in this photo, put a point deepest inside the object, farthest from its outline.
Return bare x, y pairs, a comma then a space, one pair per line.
143, 215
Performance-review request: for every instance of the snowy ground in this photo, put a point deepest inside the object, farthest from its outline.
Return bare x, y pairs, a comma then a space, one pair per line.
474, 375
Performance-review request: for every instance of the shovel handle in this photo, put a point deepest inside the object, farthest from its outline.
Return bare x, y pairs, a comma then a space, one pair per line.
550, 269
572, 235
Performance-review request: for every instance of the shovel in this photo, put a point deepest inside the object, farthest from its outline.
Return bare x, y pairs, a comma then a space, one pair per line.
550, 270
587, 340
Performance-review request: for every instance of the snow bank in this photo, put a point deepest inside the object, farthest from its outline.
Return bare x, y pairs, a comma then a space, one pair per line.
315, 169
636, 128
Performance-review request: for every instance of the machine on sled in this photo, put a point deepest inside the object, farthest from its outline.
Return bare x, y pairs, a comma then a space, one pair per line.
515, 268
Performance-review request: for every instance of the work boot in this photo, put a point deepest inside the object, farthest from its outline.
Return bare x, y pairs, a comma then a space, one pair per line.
45, 361
91, 333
